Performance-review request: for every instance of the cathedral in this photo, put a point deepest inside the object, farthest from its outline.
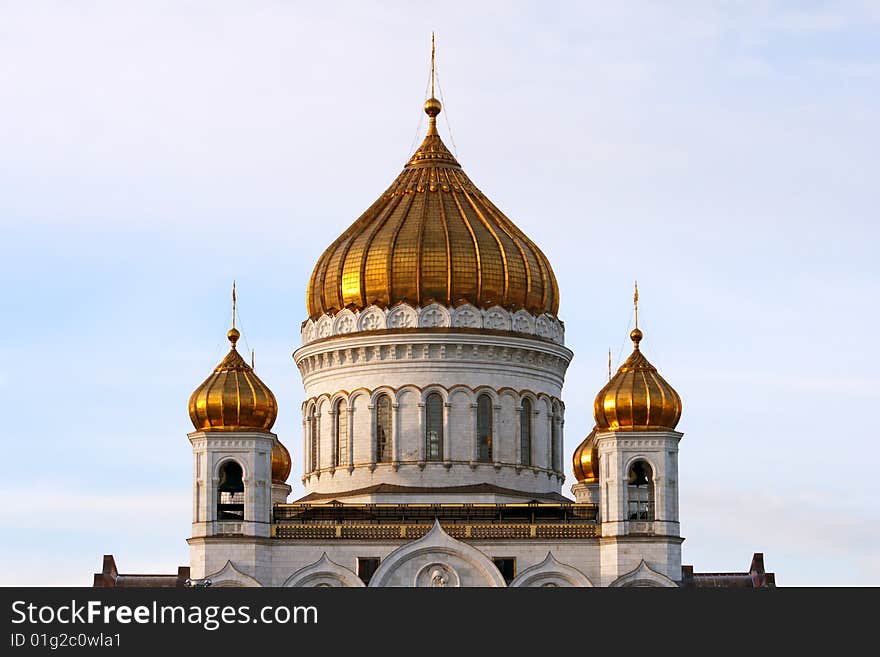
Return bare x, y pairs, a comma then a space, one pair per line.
433, 361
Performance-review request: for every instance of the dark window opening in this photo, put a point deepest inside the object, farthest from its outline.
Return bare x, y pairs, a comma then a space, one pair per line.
434, 427
640, 491
341, 433
366, 566
507, 567
230, 492
383, 429
484, 428
525, 433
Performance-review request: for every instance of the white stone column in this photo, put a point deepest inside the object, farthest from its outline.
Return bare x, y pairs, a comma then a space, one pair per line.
350, 436
517, 434
334, 448
395, 433
496, 438
447, 447
423, 423
475, 441
374, 438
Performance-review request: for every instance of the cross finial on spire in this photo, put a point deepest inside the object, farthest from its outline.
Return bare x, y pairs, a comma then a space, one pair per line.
432, 105
233, 304
233, 333
636, 303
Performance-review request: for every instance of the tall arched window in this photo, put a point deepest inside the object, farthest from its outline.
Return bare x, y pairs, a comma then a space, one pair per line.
313, 439
434, 427
383, 429
525, 432
640, 491
230, 492
554, 438
341, 433
484, 428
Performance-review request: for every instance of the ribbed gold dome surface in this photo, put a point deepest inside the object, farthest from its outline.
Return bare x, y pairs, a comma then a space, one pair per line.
233, 398
585, 461
637, 398
281, 463
432, 237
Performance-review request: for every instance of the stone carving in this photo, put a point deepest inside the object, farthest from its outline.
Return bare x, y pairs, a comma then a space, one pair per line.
439, 579
542, 326
497, 319
523, 322
325, 326
433, 316
466, 317
371, 319
344, 323
402, 316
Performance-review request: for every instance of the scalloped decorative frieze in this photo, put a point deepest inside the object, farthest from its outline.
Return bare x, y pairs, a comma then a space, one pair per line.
433, 315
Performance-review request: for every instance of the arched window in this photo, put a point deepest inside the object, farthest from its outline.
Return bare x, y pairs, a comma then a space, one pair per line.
434, 427
230, 492
383, 429
554, 438
341, 433
313, 439
484, 428
640, 491
525, 432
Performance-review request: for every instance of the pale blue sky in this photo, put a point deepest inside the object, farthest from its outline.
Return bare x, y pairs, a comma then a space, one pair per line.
724, 154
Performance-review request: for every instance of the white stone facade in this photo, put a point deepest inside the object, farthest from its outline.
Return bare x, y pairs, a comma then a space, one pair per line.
512, 366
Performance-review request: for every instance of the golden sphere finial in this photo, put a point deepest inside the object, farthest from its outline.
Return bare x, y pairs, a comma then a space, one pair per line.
636, 336
233, 336
432, 107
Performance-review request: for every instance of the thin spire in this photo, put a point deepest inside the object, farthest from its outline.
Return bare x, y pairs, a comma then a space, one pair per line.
636, 303
252, 359
609, 363
233, 304
432, 105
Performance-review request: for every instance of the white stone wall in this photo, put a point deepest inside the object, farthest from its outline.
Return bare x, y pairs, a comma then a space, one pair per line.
275, 561
355, 369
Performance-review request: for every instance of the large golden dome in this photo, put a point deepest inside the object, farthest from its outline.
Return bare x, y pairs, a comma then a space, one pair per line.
585, 461
432, 237
233, 398
637, 398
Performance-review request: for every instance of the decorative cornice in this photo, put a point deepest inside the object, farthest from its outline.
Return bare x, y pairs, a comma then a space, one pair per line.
405, 316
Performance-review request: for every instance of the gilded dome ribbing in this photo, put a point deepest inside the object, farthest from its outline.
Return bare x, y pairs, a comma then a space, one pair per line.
233, 398
432, 237
637, 398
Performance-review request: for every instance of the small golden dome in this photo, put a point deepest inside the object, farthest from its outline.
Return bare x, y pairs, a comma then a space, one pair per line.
281, 463
233, 398
432, 237
637, 398
585, 461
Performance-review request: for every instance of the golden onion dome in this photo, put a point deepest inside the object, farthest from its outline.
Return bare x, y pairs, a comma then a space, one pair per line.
585, 460
281, 463
637, 398
432, 237
233, 398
